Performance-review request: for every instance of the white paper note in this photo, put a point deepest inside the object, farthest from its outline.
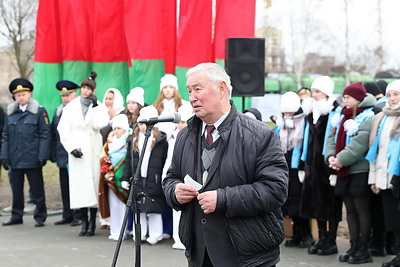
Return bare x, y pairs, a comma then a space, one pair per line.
189, 181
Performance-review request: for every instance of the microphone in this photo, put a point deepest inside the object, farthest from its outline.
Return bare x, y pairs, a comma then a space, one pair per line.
174, 117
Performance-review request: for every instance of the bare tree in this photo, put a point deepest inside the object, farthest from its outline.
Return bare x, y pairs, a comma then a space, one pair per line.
18, 18
304, 29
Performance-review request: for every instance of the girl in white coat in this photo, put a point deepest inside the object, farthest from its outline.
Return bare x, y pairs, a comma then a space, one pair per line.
79, 130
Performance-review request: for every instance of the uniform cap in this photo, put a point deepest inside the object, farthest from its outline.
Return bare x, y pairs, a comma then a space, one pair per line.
66, 87
19, 85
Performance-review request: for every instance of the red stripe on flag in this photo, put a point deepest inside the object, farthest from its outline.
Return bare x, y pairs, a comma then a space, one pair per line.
234, 18
48, 42
194, 44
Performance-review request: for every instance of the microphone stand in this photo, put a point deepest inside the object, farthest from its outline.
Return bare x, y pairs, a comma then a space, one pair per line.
139, 196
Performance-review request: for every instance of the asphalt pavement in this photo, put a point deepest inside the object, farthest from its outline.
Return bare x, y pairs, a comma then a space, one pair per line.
51, 245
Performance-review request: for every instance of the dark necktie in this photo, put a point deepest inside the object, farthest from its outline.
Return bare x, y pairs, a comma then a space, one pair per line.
209, 138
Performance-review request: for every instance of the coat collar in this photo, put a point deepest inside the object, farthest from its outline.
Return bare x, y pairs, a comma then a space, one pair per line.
33, 107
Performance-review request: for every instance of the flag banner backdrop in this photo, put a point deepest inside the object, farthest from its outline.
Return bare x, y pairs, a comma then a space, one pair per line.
131, 43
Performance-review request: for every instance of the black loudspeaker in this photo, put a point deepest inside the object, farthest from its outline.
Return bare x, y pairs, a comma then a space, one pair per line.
244, 62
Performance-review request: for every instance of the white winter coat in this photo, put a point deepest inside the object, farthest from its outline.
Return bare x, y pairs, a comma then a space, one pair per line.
84, 133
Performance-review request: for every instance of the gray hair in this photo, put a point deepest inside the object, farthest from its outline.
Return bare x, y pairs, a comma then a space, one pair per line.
214, 72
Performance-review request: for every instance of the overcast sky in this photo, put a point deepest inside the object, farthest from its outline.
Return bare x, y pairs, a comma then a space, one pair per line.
363, 25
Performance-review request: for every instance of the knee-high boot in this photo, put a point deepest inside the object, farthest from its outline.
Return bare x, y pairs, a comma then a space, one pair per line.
92, 222
85, 223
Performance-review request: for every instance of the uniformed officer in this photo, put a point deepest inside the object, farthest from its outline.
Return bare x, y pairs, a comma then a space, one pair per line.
25, 148
60, 155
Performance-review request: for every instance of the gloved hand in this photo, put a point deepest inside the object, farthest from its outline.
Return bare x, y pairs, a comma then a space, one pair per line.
6, 164
53, 159
125, 185
396, 191
332, 179
93, 98
301, 175
77, 153
42, 162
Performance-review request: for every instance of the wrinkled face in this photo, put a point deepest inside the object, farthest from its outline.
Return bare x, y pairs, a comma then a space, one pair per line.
393, 98
22, 97
86, 91
318, 95
109, 100
119, 132
350, 102
67, 98
132, 106
205, 97
168, 91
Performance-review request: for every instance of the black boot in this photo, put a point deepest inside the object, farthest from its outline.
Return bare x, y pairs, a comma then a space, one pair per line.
85, 222
314, 248
329, 246
306, 239
393, 263
362, 255
353, 248
92, 222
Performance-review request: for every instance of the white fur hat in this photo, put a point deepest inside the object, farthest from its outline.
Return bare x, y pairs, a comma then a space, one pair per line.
169, 79
186, 112
290, 102
393, 86
120, 121
324, 84
147, 112
136, 94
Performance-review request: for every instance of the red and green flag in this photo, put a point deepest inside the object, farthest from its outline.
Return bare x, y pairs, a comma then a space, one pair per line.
131, 43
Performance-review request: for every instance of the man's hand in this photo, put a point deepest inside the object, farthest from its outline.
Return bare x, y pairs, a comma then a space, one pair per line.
6, 164
93, 98
184, 193
42, 162
208, 201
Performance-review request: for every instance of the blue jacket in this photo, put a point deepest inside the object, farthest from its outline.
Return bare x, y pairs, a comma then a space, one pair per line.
26, 136
58, 152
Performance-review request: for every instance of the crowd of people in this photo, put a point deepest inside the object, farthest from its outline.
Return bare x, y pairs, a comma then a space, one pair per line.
96, 147
219, 181
343, 153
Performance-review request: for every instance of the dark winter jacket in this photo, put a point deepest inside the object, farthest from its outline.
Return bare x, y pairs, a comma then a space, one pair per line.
150, 185
318, 196
58, 152
26, 136
250, 175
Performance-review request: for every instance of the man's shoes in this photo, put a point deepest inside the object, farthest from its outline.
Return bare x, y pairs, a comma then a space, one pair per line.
63, 221
75, 222
29, 207
7, 209
39, 224
12, 222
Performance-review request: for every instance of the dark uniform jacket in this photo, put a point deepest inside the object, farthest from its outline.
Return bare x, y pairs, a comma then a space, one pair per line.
58, 152
250, 175
26, 136
150, 185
